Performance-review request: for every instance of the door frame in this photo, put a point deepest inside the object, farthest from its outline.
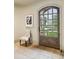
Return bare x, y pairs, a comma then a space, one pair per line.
58, 23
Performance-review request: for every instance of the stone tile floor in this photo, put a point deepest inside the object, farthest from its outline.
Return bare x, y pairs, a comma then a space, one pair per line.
31, 52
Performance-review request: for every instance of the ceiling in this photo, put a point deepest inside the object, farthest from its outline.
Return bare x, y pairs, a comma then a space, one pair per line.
24, 2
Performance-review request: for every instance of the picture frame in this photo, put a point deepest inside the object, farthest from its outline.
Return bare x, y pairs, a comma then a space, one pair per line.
29, 20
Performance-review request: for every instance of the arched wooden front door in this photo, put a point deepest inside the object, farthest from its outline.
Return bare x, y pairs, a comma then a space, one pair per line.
49, 27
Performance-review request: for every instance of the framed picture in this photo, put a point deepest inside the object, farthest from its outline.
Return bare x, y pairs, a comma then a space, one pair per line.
29, 20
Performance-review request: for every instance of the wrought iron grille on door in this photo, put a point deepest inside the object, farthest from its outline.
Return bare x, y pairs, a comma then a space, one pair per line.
49, 26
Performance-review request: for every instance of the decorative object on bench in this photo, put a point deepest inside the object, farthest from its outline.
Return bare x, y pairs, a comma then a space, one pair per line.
26, 38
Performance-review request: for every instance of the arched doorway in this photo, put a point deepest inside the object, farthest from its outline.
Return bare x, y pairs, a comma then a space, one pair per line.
49, 27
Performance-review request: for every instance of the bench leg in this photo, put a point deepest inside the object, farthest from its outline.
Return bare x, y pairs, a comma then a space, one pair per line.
25, 43
20, 42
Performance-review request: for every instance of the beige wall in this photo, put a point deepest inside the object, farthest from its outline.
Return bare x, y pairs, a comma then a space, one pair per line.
21, 12
18, 23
